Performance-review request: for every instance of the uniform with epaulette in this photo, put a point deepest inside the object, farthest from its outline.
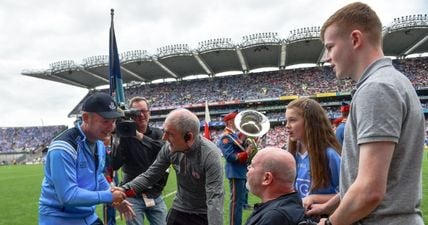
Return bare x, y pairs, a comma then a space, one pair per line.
236, 168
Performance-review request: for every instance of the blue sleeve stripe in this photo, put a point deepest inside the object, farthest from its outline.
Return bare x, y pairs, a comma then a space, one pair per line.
64, 146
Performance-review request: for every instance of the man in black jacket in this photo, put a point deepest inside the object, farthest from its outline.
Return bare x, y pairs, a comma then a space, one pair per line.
270, 177
135, 155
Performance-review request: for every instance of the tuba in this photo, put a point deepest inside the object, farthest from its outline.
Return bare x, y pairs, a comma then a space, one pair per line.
253, 124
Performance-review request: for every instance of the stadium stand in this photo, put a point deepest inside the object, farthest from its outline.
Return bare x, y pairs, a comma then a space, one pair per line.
20, 144
267, 92
262, 91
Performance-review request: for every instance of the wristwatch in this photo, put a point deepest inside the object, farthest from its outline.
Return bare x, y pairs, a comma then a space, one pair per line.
327, 221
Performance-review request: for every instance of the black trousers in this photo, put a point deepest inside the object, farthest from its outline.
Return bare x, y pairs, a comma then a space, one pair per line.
176, 217
98, 222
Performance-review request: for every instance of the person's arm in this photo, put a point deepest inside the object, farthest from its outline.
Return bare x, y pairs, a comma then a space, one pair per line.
214, 189
64, 178
369, 188
153, 173
325, 208
311, 199
227, 146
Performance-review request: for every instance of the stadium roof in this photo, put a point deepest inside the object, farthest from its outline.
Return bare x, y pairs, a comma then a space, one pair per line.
405, 36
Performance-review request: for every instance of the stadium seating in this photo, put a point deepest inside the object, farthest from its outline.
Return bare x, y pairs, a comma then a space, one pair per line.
253, 86
27, 139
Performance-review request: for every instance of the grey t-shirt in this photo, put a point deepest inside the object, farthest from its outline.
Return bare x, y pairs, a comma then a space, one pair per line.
385, 107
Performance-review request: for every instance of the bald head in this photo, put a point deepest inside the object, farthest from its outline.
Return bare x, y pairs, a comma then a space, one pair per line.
279, 162
271, 174
184, 121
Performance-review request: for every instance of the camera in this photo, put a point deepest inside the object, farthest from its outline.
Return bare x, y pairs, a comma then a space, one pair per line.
131, 112
125, 126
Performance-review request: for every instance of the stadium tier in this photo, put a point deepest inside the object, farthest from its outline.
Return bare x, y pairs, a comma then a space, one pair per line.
404, 36
267, 92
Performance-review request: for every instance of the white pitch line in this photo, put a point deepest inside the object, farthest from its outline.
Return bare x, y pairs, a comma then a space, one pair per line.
170, 194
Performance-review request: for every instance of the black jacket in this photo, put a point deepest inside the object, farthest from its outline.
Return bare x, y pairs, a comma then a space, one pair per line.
135, 157
285, 210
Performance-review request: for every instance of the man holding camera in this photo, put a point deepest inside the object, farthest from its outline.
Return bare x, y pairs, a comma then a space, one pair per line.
135, 155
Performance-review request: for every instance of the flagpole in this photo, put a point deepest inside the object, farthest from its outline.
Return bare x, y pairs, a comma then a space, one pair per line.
117, 92
116, 84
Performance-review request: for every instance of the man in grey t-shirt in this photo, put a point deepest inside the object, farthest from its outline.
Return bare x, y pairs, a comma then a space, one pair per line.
380, 180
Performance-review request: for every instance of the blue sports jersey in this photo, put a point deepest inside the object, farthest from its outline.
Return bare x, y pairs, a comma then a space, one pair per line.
303, 174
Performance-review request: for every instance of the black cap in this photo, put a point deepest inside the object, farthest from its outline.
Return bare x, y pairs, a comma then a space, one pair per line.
103, 104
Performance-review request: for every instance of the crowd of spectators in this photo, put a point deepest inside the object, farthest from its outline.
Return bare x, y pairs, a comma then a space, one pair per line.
27, 139
272, 84
415, 69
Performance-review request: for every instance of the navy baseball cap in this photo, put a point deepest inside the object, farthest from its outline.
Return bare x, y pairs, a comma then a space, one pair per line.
102, 104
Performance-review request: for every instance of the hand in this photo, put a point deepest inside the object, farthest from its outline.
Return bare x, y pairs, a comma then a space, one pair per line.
307, 202
316, 210
322, 221
125, 210
118, 195
139, 135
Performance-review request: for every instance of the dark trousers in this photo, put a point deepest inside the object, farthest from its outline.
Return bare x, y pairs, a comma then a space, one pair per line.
176, 217
109, 214
238, 193
98, 222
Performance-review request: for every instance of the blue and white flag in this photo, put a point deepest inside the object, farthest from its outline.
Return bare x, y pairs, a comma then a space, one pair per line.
116, 83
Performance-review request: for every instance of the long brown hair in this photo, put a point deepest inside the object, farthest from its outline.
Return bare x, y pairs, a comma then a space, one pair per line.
317, 138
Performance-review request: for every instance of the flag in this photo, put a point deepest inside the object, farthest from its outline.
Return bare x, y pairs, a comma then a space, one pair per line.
207, 133
116, 83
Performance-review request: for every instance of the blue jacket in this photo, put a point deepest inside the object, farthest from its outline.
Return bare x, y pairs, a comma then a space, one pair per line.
340, 132
73, 184
236, 159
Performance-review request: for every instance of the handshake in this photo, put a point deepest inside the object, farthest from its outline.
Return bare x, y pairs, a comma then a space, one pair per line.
121, 204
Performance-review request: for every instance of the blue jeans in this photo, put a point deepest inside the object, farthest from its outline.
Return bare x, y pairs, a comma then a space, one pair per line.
156, 214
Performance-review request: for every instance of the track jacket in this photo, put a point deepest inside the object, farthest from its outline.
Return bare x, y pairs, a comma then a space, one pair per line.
73, 183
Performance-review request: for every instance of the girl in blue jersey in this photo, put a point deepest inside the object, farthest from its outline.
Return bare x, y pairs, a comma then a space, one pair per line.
316, 150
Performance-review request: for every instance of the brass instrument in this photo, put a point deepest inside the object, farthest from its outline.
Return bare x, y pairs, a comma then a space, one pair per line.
253, 124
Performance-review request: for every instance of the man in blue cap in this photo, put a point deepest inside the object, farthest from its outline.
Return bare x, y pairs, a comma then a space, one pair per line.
74, 182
